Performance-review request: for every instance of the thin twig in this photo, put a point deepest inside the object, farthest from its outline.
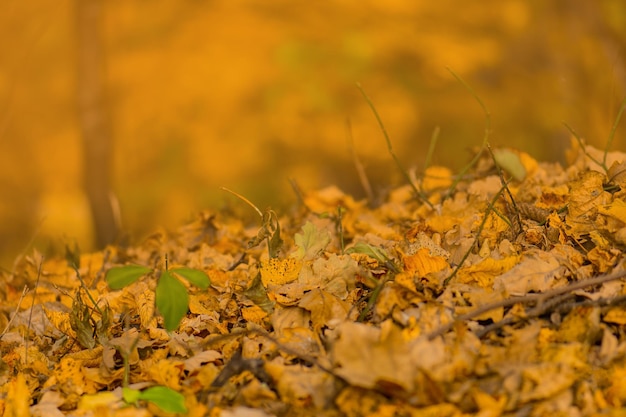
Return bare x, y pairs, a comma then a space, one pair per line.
371, 302
244, 200
298, 192
490, 208
541, 308
17, 308
406, 175
485, 136
581, 143
612, 134
32, 306
263, 333
508, 191
84, 287
431, 147
528, 298
360, 169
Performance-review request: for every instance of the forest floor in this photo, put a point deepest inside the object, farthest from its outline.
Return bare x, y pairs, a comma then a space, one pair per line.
496, 293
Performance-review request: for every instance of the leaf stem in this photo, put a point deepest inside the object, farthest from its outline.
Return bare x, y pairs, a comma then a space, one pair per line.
485, 136
244, 199
612, 134
406, 175
490, 208
581, 143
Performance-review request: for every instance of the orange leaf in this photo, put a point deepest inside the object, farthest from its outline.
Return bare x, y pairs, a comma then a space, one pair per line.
423, 263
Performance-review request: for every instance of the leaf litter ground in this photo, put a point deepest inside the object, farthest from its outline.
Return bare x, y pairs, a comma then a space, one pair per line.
487, 301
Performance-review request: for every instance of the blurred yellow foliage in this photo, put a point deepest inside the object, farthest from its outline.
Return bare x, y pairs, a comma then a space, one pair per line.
248, 94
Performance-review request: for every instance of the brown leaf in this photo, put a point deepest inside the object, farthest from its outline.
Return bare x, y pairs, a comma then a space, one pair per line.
369, 357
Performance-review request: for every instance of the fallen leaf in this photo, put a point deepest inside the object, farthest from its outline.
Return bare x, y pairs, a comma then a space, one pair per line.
276, 271
311, 242
370, 357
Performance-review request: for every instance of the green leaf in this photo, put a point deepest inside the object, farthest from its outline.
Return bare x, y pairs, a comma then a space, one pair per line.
165, 398
172, 300
121, 276
311, 241
365, 248
257, 293
195, 276
130, 396
510, 162
377, 253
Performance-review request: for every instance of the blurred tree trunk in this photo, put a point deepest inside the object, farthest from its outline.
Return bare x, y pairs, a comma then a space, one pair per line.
94, 120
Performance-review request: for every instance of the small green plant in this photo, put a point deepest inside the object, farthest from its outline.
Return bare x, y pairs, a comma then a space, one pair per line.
165, 398
172, 299
384, 259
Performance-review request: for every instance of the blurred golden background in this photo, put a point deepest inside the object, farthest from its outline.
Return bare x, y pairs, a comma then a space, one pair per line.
179, 98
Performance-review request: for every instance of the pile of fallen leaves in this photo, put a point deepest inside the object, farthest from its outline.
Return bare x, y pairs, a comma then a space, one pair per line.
500, 293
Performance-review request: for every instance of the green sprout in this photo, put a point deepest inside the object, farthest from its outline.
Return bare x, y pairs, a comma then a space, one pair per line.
165, 398
172, 299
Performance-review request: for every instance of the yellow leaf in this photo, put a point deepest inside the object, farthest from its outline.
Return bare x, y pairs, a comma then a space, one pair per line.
305, 387
94, 401
69, 379
603, 258
167, 372
478, 298
60, 320
328, 199
484, 272
207, 374
438, 410
616, 392
143, 298
196, 305
279, 271
324, 307
617, 210
17, 401
586, 196
406, 280
530, 164
369, 357
615, 315
254, 314
553, 198
354, 401
582, 324
88, 357
443, 223
545, 380
423, 263
537, 271
488, 405
436, 177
